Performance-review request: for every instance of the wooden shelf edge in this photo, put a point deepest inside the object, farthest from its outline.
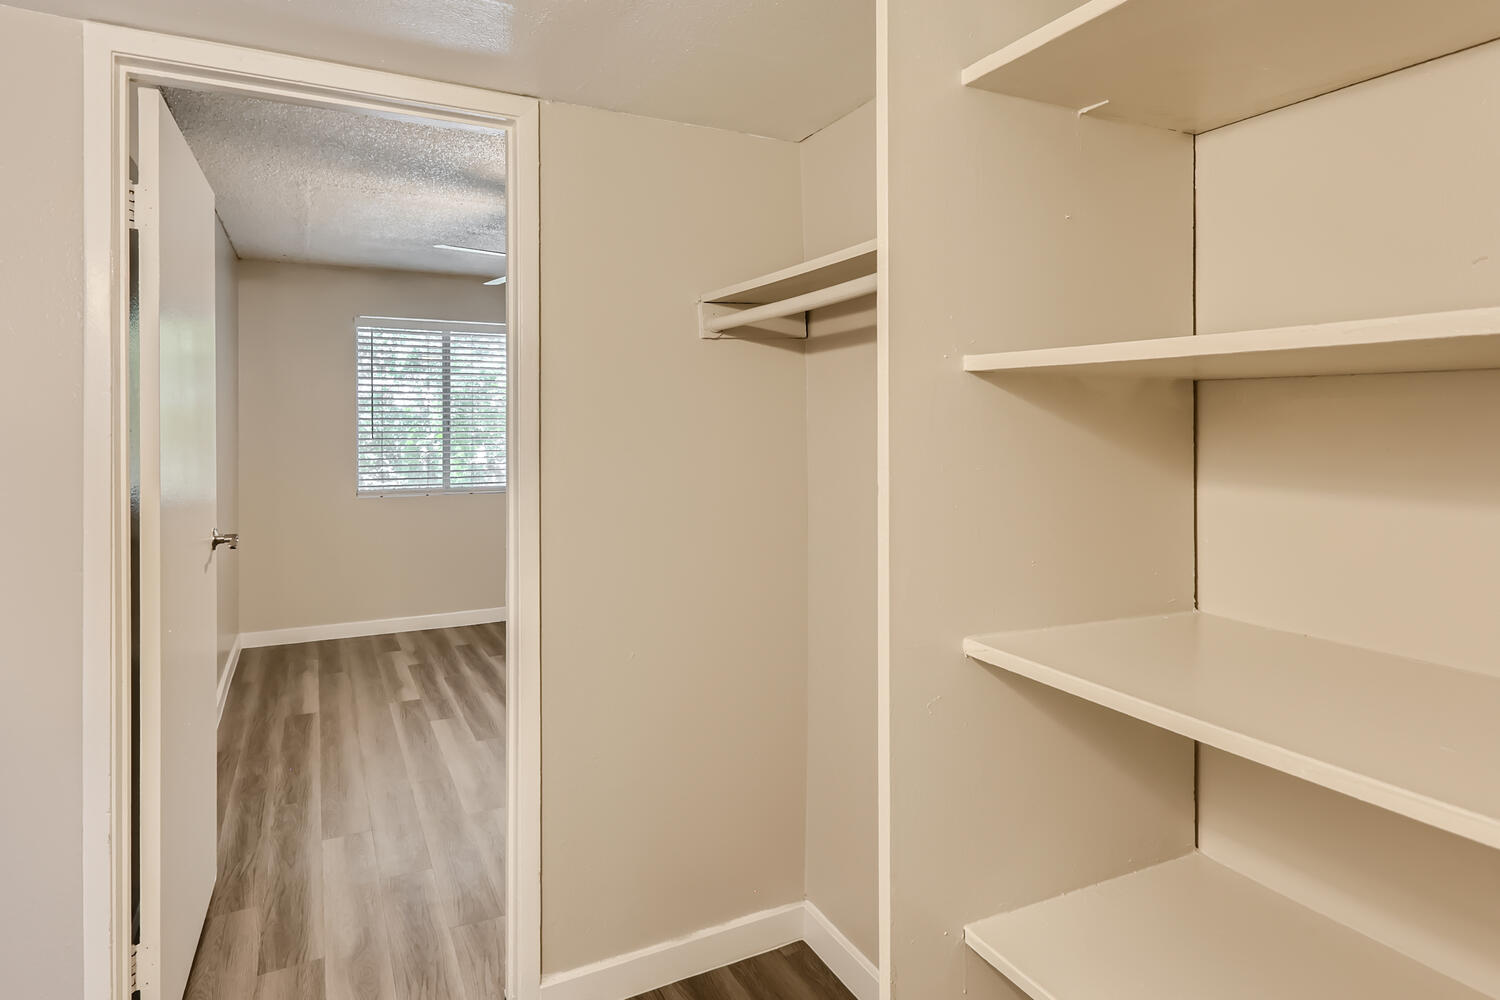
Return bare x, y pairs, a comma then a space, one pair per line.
976, 73
1416, 805
1465, 339
787, 317
859, 258
1188, 66
1160, 933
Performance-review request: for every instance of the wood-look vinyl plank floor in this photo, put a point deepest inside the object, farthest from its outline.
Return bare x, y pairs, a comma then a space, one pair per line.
361, 823
789, 973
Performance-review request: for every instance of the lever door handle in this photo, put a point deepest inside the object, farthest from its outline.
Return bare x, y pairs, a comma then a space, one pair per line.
229, 538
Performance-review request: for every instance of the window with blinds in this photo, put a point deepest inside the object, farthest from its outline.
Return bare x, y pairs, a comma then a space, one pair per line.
431, 399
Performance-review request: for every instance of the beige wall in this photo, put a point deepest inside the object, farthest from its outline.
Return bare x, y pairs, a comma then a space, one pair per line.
1012, 225
674, 529
838, 184
1363, 509
838, 209
314, 553
41, 327
227, 408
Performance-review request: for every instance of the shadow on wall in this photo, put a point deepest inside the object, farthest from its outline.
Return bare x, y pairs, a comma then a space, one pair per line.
848, 324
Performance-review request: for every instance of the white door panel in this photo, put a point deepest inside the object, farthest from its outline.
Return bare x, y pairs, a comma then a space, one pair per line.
178, 605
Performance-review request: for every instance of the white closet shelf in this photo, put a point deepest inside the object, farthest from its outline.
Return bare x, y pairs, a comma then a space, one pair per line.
1426, 342
841, 276
1419, 739
1194, 65
1188, 929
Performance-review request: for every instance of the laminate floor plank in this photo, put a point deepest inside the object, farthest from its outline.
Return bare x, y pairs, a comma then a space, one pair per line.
490, 638
330, 653
773, 975
362, 824
790, 973
444, 667
461, 636
295, 982
720, 984
227, 957
356, 960
480, 950
399, 842
489, 676
489, 836
346, 808
465, 890
422, 956
428, 680
302, 661
293, 857
809, 967
473, 703
476, 773
244, 825
396, 666
233, 726
419, 745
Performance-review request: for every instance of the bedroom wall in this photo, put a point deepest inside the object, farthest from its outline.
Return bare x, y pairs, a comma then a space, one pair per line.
838, 209
312, 551
674, 528
1381, 490
41, 589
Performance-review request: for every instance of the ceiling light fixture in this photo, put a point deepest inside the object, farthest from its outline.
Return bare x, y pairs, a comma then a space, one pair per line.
487, 253
496, 281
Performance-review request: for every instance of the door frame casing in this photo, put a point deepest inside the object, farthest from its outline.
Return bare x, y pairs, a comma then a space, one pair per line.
114, 58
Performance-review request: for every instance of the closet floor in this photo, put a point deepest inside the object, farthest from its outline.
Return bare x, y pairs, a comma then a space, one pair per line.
790, 973
361, 822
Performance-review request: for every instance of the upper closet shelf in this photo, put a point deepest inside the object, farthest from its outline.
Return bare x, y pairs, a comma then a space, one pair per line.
777, 303
1193, 65
1446, 341
1188, 929
1419, 739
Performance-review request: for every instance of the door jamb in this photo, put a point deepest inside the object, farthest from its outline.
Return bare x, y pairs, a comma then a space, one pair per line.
115, 57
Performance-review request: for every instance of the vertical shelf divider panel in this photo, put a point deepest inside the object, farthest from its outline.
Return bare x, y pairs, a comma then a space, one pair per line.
1006, 215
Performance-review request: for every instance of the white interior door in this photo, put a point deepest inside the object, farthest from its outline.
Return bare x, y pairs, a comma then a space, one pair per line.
178, 634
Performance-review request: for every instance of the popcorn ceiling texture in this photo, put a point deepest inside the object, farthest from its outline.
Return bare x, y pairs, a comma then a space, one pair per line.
316, 185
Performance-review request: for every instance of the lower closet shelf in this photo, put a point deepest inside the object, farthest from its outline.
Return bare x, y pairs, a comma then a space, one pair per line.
1191, 929
1420, 739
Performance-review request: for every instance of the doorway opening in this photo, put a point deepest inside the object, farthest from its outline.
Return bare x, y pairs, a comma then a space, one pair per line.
310, 751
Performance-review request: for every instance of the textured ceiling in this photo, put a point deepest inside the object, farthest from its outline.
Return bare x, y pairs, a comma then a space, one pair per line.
782, 68
325, 186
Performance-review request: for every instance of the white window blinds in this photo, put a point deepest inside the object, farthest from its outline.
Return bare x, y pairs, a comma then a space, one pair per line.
431, 400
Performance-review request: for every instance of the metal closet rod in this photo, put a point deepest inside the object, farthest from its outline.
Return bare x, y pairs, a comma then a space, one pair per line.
832, 295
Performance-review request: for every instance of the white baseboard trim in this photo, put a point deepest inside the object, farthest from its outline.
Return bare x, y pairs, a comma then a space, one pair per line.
227, 678
379, 626
661, 964
843, 959
714, 947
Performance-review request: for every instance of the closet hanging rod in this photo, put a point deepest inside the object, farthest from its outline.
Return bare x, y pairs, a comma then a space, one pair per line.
832, 295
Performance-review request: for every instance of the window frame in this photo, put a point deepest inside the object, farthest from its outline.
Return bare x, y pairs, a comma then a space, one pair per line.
447, 328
